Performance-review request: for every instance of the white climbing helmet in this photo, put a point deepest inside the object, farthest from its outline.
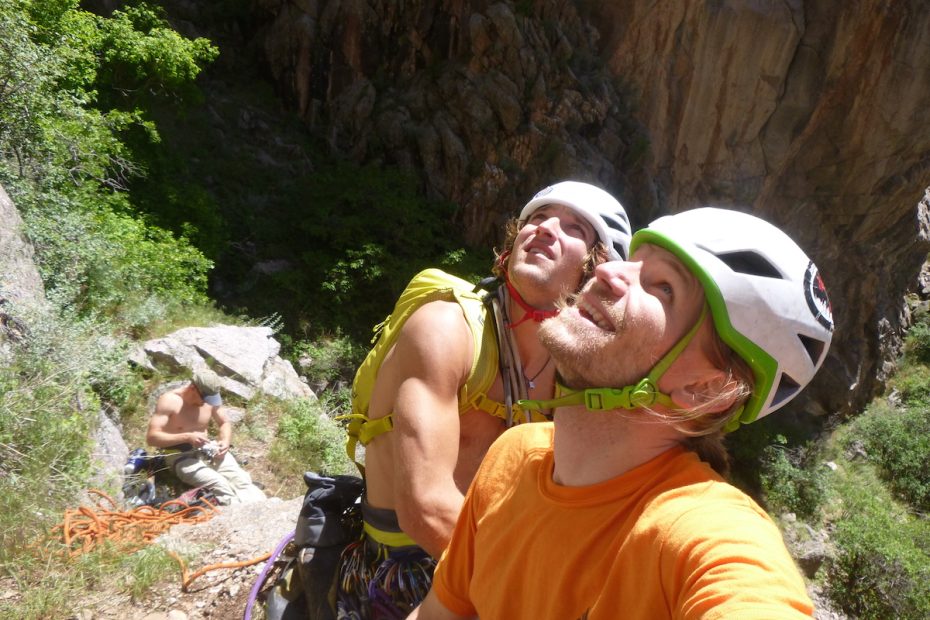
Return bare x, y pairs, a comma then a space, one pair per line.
605, 214
766, 297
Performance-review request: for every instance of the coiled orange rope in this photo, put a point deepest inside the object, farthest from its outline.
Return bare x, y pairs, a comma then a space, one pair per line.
83, 529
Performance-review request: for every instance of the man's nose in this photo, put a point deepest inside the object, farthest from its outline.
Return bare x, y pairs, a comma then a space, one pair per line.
617, 275
549, 226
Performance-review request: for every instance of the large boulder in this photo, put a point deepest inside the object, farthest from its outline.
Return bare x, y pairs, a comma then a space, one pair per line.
22, 292
109, 457
245, 358
21, 283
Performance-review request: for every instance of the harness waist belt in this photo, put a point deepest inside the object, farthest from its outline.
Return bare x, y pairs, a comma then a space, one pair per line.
381, 526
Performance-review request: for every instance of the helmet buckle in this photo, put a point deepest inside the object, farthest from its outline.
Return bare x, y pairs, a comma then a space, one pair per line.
643, 394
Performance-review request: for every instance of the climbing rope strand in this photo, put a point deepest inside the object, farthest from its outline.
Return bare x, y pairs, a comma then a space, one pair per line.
188, 578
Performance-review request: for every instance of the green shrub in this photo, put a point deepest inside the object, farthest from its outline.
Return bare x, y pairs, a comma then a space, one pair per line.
354, 236
791, 480
917, 343
912, 382
45, 429
329, 363
366, 230
328, 359
746, 448
897, 441
336, 401
142, 57
308, 440
881, 568
117, 261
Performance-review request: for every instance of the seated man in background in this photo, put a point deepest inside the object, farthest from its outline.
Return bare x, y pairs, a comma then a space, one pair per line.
441, 383
614, 510
179, 426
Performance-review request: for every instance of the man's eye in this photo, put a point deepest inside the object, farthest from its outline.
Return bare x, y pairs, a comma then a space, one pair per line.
665, 288
580, 230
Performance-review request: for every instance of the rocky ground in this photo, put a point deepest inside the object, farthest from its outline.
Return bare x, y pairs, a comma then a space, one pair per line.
235, 534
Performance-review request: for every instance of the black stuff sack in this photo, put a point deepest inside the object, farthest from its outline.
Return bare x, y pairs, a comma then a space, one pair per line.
329, 519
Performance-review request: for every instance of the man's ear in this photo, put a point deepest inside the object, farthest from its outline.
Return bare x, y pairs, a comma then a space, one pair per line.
713, 386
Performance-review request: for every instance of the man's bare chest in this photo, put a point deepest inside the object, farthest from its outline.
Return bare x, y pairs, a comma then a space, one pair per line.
192, 417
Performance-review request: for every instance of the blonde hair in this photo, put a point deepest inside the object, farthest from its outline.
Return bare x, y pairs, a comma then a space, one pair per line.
703, 425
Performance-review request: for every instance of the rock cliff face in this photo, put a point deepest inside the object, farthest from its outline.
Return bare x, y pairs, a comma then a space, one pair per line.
816, 115
486, 102
812, 115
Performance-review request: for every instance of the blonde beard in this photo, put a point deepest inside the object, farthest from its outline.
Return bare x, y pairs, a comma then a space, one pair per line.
586, 361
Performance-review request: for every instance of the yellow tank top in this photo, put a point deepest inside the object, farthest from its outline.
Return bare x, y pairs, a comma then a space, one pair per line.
430, 285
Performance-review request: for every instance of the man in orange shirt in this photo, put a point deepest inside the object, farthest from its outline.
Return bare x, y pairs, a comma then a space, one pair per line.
614, 510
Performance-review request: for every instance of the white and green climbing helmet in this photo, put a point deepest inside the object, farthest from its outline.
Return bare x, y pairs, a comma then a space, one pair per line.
766, 299
605, 214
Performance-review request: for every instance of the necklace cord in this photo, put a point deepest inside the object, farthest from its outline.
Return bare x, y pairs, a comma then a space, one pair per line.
530, 381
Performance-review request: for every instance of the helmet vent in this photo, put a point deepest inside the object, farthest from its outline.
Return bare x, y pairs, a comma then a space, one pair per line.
814, 347
787, 388
751, 264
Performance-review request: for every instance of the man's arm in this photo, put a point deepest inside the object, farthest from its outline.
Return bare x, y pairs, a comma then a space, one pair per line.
224, 430
169, 405
432, 609
434, 356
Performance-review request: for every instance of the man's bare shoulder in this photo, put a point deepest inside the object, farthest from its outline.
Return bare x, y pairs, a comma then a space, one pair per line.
434, 345
221, 415
169, 403
437, 325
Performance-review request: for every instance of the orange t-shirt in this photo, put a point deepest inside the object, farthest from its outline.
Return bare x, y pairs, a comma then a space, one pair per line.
668, 539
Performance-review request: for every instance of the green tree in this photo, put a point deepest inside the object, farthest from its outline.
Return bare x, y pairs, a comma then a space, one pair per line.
73, 85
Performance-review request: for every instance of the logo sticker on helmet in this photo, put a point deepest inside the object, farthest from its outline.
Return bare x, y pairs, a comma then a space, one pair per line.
816, 294
543, 192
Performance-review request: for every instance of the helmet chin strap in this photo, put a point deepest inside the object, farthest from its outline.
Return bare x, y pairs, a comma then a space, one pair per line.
530, 313
643, 394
